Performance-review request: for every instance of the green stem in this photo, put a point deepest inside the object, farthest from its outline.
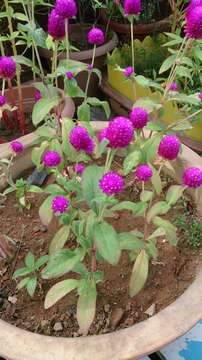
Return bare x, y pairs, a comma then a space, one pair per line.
132, 43
182, 120
38, 60
67, 38
2, 48
3, 86
89, 73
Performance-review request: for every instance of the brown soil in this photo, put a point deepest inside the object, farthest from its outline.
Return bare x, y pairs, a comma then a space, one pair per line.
168, 278
10, 130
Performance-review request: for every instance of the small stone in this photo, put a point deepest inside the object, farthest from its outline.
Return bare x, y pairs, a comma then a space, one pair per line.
107, 308
129, 322
43, 229
58, 327
128, 307
136, 314
12, 299
44, 323
75, 334
116, 316
151, 310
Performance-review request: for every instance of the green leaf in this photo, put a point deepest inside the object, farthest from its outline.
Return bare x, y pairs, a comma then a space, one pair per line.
137, 209
184, 72
131, 161
93, 101
146, 195
54, 189
90, 185
86, 306
158, 232
151, 146
72, 89
35, 189
139, 274
156, 181
107, 242
62, 262
22, 272
168, 63
30, 260
58, 291
42, 108
83, 112
170, 229
197, 53
22, 60
129, 241
20, 16
152, 249
31, 286
37, 153
41, 261
46, 212
22, 283
160, 208
59, 239
182, 125
174, 194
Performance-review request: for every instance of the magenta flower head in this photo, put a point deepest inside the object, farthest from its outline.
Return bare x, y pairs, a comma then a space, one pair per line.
139, 117
80, 140
60, 204
132, 7
120, 132
173, 86
56, 25
193, 4
90, 67
111, 183
193, 28
192, 177
169, 147
143, 172
69, 75
200, 95
96, 36
51, 158
78, 168
66, 8
7, 67
37, 95
2, 100
17, 147
128, 71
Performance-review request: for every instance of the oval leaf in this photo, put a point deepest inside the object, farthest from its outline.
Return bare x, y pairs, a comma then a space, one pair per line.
107, 242
86, 307
174, 194
45, 211
59, 239
58, 291
160, 208
139, 274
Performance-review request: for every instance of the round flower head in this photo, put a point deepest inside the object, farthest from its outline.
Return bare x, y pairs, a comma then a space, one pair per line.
111, 183
69, 75
120, 132
200, 95
78, 168
56, 25
128, 71
17, 147
51, 158
96, 36
193, 28
60, 204
143, 172
193, 4
169, 147
37, 95
80, 140
173, 86
90, 67
139, 117
7, 67
2, 100
66, 8
192, 177
132, 7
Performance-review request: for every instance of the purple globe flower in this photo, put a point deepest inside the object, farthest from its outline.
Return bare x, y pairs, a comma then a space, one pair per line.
66, 8
17, 147
169, 147
2, 100
192, 4
173, 86
132, 7
78, 168
56, 25
60, 204
120, 132
192, 177
37, 95
80, 140
96, 36
90, 67
7, 67
69, 75
139, 117
143, 172
111, 183
200, 95
51, 158
128, 71
193, 28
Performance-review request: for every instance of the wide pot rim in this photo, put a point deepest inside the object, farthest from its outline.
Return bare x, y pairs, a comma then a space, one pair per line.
127, 344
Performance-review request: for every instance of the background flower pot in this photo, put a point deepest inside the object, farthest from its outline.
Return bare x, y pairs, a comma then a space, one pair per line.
128, 344
21, 162
121, 98
76, 31
140, 30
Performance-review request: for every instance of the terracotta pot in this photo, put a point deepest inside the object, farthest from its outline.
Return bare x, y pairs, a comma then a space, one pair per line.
85, 56
128, 344
68, 108
141, 30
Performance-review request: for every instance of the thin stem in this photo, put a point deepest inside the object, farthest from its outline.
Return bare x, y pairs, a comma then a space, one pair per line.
182, 120
2, 48
33, 59
38, 59
132, 43
3, 86
89, 73
56, 63
93, 259
107, 159
67, 38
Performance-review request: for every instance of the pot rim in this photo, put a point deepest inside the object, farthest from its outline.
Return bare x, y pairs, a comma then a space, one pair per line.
127, 344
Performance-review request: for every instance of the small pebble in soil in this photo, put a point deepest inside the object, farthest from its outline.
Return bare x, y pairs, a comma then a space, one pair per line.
151, 310
71, 311
107, 308
116, 317
58, 327
12, 299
